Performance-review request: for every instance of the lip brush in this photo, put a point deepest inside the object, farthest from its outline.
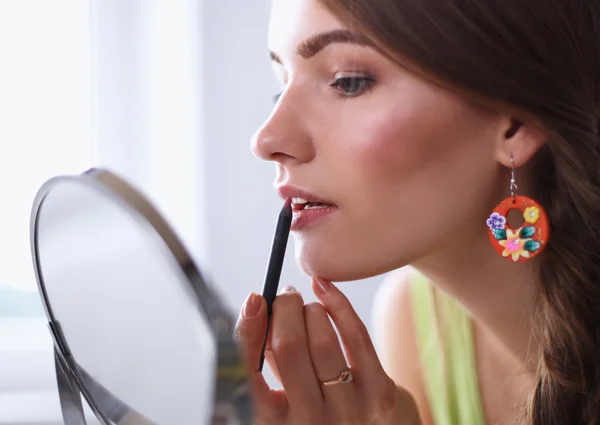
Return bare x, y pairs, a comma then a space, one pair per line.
271, 284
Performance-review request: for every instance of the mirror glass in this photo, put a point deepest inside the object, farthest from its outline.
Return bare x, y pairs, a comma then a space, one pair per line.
130, 316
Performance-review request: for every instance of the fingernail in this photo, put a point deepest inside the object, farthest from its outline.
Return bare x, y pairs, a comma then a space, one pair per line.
252, 305
289, 288
322, 285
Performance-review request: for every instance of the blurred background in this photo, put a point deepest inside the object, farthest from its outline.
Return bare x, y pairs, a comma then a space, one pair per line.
165, 92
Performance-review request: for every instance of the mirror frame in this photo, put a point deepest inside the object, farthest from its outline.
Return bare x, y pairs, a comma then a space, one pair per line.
232, 398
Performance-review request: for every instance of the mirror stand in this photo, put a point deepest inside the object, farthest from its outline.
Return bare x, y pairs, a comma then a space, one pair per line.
70, 388
68, 393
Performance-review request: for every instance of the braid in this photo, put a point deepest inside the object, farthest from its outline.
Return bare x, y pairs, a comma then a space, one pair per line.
568, 388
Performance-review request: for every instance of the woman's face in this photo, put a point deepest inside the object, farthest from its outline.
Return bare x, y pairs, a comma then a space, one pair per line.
410, 168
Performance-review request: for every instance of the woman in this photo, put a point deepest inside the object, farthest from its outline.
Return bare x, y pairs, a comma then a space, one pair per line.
414, 127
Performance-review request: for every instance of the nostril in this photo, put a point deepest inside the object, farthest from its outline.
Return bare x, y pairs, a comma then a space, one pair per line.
280, 157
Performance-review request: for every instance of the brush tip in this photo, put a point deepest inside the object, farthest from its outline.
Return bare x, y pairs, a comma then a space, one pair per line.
288, 203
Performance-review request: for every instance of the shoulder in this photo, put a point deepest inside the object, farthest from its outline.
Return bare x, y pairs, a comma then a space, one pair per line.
392, 301
393, 321
395, 337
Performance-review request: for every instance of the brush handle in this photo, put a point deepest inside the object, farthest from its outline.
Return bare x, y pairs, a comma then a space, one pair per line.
271, 285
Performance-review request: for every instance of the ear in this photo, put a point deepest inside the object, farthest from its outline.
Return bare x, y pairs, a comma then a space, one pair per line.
521, 141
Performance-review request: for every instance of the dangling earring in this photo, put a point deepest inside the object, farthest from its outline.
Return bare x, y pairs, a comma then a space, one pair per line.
531, 238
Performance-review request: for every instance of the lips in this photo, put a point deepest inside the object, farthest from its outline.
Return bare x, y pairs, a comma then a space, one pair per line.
309, 209
302, 199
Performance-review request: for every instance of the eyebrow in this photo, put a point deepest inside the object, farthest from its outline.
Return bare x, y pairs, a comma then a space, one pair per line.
314, 44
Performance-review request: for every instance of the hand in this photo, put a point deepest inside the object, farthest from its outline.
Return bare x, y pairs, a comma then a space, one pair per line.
304, 351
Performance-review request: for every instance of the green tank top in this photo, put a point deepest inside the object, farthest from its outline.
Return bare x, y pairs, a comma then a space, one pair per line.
449, 366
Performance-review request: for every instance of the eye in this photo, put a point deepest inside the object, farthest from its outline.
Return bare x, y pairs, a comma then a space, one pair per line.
352, 86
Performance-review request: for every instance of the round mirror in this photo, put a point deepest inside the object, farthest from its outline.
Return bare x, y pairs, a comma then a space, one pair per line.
137, 329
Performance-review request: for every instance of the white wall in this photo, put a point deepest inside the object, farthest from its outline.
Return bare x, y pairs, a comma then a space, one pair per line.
44, 110
147, 103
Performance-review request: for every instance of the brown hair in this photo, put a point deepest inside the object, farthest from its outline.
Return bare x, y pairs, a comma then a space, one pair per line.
540, 61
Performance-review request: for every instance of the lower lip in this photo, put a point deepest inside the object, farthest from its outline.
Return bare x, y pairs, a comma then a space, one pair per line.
305, 218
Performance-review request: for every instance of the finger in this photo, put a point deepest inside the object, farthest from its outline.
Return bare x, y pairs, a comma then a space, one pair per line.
328, 360
251, 327
250, 333
290, 349
359, 348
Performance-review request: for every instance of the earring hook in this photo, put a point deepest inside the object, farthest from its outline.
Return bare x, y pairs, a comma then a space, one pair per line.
513, 179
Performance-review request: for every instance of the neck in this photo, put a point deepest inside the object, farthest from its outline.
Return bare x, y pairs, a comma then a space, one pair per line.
499, 294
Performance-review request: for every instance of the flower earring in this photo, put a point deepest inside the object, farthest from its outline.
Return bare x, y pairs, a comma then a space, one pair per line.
527, 241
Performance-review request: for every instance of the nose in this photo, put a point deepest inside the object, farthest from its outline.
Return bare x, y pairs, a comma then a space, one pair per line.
285, 137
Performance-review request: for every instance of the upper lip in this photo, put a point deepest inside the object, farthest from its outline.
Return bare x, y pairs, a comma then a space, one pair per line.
288, 191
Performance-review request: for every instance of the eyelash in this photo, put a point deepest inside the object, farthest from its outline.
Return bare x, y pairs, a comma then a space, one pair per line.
366, 84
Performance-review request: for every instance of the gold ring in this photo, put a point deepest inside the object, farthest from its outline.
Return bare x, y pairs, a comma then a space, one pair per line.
344, 378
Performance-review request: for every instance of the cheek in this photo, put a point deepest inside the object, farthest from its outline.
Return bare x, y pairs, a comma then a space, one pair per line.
419, 162
396, 143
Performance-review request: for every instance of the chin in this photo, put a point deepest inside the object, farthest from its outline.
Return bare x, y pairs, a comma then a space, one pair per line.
337, 267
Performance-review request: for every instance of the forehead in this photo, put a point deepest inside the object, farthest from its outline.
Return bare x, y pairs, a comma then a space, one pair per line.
292, 21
